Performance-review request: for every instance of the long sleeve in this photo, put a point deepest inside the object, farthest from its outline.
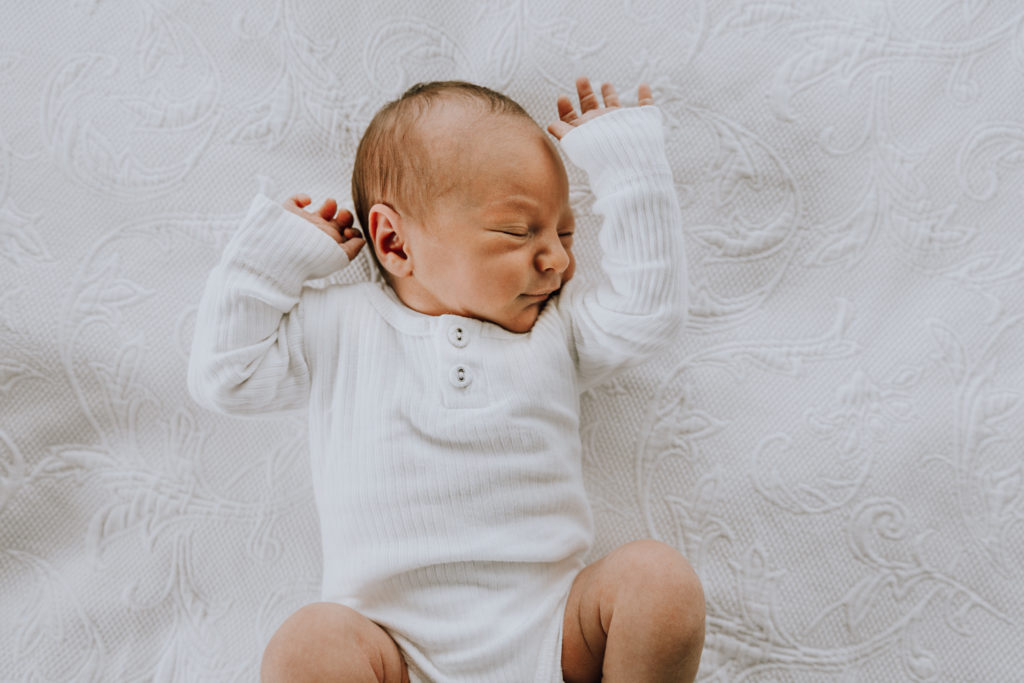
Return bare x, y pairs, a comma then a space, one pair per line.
247, 351
640, 305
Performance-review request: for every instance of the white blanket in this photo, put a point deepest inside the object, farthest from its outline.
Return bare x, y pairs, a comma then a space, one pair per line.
836, 442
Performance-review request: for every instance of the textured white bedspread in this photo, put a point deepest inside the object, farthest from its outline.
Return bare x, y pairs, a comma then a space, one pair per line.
836, 442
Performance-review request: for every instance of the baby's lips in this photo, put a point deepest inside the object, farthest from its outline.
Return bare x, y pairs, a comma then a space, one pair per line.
545, 293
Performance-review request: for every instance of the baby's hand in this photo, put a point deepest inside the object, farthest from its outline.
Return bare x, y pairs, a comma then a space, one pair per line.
590, 108
338, 227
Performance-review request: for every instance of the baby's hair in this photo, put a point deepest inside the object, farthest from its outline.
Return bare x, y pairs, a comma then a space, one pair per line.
393, 164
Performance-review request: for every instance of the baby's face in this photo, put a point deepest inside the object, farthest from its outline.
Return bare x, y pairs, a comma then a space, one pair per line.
498, 245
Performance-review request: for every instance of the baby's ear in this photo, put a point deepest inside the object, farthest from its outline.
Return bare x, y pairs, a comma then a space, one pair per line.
388, 239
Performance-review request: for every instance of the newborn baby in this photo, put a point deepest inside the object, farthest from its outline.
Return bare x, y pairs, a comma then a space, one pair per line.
443, 397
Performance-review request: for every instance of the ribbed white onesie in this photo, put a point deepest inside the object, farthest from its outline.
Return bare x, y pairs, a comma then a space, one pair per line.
445, 450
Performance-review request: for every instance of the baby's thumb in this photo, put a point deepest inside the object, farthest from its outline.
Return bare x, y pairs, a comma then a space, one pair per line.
559, 129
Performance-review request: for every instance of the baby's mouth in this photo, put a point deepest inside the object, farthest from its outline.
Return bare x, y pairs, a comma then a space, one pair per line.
544, 294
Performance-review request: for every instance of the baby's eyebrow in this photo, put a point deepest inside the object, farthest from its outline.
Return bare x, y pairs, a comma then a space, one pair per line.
514, 207
509, 210
514, 201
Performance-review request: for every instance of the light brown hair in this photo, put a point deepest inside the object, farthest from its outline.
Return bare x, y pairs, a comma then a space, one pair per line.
393, 164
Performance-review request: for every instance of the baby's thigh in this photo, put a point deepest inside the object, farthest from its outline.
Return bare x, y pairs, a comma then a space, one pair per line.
328, 641
643, 597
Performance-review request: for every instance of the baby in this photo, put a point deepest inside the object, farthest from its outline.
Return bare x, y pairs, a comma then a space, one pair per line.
443, 399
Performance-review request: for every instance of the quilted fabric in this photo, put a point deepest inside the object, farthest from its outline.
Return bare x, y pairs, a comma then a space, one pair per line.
836, 442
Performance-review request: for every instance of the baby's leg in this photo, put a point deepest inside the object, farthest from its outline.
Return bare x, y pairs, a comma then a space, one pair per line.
635, 615
330, 642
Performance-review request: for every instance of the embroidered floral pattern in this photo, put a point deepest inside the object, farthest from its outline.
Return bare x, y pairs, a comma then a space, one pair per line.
835, 441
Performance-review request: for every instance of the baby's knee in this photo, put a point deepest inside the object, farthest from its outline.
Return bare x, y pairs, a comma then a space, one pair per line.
664, 585
327, 641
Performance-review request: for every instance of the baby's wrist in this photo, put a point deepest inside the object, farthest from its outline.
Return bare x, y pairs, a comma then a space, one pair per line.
618, 147
277, 241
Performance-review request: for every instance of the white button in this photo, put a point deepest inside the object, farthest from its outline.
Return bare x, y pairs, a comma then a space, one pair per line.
460, 377
458, 336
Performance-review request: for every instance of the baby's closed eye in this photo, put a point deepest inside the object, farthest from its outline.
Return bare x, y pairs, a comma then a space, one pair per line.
513, 230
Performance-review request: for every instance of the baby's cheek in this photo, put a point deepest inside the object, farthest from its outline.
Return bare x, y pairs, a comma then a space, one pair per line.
570, 269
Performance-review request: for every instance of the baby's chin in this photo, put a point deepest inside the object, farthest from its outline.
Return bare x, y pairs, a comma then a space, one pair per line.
524, 321
519, 328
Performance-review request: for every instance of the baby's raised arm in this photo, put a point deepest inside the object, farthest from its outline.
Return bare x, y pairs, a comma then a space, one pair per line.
639, 307
248, 349
590, 107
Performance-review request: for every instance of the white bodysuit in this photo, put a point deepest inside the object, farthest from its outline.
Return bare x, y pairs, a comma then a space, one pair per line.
446, 450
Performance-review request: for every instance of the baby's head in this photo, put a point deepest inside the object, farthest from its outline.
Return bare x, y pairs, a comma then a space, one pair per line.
465, 203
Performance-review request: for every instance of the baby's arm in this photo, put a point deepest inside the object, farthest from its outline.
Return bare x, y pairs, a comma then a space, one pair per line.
640, 304
248, 348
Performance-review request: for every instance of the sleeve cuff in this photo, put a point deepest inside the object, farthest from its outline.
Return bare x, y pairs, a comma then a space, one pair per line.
276, 242
619, 147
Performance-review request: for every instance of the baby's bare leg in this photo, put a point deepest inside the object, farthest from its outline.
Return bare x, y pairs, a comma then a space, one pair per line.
635, 615
330, 642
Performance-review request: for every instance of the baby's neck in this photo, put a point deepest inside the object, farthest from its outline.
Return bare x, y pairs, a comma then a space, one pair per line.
416, 297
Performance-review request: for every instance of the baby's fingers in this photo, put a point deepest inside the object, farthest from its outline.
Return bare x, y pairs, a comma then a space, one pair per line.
299, 200
566, 112
567, 117
588, 100
644, 95
327, 209
611, 97
330, 212
345, 219
352, 245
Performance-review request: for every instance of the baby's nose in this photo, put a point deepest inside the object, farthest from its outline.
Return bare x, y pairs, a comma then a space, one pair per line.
554, 256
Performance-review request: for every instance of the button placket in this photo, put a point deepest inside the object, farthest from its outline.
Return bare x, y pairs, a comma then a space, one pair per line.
458, 343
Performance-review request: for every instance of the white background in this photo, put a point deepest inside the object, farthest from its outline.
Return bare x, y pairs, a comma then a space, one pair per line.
836, 442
